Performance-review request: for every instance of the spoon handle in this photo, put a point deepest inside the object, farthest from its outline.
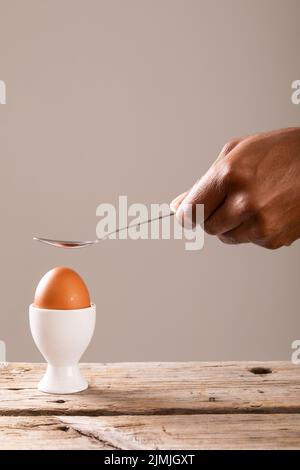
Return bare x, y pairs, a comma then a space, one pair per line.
136, 225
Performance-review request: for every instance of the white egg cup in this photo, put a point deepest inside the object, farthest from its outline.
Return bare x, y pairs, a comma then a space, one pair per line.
62, 336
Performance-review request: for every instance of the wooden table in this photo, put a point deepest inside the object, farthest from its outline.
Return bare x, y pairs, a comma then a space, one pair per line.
189, 405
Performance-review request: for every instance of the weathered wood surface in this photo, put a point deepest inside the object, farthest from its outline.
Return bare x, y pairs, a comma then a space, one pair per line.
158, 388
255, 431
155, 406
43, 432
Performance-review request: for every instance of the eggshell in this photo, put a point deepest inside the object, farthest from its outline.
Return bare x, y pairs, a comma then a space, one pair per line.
61, 289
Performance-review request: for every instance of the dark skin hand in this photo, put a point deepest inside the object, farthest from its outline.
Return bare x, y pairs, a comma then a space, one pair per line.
251, 193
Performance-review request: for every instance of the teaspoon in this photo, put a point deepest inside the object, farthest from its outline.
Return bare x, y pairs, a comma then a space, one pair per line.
83, 244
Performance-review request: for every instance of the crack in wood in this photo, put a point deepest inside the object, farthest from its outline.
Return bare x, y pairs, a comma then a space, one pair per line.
90, 435
255, 408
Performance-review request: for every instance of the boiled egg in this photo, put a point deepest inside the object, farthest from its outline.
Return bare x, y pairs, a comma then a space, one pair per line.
62, 288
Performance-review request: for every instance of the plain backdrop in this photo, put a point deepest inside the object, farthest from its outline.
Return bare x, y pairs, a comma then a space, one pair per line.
136, 98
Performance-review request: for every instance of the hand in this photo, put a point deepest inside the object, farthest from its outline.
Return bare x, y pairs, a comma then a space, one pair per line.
251, 193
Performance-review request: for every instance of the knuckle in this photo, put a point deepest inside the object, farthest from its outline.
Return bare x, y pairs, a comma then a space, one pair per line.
232, 175
228, 170
245, 205
229, 146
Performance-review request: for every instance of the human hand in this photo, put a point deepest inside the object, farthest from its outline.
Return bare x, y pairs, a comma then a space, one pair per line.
251, 193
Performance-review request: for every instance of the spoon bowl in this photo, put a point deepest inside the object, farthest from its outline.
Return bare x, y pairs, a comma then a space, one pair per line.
66, 243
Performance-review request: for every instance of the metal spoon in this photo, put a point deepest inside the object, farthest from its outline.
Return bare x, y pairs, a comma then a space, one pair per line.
82, 244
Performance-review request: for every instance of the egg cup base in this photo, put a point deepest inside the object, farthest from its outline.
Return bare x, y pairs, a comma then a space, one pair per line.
62, 380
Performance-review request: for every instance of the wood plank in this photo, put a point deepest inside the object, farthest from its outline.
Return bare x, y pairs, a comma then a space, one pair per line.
190, 432
28, 433
158, 388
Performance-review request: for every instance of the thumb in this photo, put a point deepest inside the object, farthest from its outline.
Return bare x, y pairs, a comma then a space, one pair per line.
209, 191
177, 201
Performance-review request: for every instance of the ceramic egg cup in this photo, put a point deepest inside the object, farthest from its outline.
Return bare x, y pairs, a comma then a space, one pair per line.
62, 336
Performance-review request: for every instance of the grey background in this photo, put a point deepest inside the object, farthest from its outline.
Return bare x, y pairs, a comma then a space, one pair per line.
137, 97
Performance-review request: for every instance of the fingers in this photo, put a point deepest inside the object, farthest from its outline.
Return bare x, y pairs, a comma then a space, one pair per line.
177, 201
228, 147
247, 194
210, 191
226, 217
240, 234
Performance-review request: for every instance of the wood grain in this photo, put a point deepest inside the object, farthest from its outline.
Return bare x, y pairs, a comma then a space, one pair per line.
155, 406
190, 432
157, 388
26, 433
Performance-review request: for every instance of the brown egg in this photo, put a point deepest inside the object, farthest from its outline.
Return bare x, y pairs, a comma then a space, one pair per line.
61, 289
